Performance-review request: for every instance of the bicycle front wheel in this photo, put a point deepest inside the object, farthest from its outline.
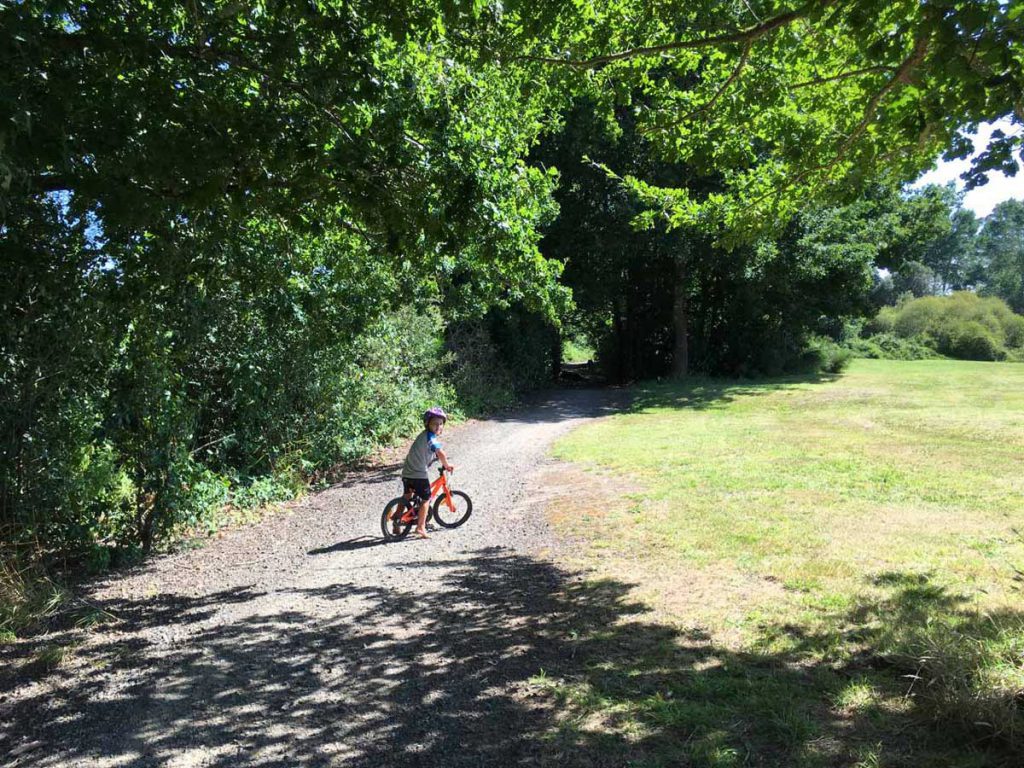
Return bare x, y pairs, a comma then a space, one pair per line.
454, 515
392, 524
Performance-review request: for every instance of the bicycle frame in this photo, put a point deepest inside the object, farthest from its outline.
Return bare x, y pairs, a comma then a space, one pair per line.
441, 484
438, 486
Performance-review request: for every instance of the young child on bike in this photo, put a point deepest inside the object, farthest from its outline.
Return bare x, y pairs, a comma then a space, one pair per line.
425, 448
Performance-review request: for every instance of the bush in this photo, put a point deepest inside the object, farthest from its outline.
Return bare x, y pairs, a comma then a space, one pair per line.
962, 325
483, 382
396, 370
1014, 331
837, 360
825, 356
882, 323
973, 341
491, 362
885, 346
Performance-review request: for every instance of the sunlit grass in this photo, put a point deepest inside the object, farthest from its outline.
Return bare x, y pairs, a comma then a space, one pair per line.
576, 351
875, 515
814, 486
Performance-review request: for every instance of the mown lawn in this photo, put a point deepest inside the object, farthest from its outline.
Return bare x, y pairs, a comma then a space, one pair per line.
841, 561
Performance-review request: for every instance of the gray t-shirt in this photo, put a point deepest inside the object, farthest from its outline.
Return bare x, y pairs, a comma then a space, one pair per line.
421, 455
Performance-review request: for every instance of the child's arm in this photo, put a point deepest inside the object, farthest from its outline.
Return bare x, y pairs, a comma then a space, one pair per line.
444, 460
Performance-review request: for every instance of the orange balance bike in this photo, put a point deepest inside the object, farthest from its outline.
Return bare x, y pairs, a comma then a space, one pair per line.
449, 510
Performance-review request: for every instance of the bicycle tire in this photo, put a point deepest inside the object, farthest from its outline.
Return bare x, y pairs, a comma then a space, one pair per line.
386, 526
452, 518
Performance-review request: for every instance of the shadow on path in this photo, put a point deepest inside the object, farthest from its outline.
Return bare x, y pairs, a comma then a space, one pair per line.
359, 542
513, 662
560, 405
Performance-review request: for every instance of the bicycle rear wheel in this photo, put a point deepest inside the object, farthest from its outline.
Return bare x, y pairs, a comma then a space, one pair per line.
395, 509
456, 514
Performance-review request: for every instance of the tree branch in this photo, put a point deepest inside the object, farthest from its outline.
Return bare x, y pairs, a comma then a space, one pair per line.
748, 35
733, 77
843, 75
901, 76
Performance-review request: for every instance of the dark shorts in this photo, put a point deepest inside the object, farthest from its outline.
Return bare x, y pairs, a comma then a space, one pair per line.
419, 486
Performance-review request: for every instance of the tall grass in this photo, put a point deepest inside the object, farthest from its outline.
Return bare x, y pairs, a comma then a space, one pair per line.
28, 594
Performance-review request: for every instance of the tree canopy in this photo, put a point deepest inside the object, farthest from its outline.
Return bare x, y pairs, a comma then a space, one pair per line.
228, 225
999, 259
796, 101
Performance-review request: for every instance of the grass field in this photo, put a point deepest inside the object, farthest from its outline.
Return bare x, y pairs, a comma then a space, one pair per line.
840, 562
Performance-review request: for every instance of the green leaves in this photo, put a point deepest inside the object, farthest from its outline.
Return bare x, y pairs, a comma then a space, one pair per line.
801, 102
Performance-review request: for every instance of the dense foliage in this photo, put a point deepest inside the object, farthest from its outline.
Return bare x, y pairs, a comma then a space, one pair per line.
235, 239
932, 245
962, 325
794, 102
237, 235
638, 288
998, 260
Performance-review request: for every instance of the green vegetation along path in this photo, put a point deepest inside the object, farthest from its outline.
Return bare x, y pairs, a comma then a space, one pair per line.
803, 572
306, 641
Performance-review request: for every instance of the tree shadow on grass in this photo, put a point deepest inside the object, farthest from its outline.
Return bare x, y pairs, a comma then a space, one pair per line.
701, 393
511, 662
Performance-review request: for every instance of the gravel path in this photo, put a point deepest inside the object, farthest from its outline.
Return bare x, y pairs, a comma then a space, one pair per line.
305, 640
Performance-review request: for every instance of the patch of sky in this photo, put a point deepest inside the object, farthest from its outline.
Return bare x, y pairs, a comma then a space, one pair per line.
1000, 187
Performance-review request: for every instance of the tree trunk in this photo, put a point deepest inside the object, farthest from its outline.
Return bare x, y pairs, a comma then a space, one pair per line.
556, 356
680, 325
620, 341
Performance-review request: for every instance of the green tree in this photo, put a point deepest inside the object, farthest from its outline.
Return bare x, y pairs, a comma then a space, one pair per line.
926, 240
326, 117
661, 302
999, 270
793, 102
204, 210
950, 256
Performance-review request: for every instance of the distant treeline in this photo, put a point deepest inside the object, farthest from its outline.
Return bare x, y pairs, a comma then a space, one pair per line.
656, 302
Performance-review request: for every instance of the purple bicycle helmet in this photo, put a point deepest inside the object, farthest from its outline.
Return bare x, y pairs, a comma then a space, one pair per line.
435, 412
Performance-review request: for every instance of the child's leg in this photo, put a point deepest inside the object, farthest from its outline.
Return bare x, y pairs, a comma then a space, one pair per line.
398, 513
421, 523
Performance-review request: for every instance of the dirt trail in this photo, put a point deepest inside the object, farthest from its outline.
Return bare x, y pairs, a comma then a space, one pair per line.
306, 641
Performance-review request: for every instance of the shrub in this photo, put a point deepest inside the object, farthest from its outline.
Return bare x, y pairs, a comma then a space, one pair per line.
868, 348
962, 325
882, 323
1014, 330
973, 341
837, 360
825, 356
483, 382
885, 346
396, 372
